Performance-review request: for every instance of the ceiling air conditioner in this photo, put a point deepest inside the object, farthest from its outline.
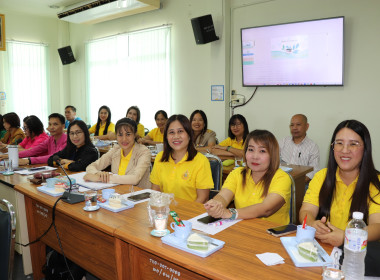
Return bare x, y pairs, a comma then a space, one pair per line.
102, 10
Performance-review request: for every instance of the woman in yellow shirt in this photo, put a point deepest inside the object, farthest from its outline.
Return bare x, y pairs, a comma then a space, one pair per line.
234, 144
156, 135
133, 113
130, 161
349, 183
179, 168
103, 127
260, 189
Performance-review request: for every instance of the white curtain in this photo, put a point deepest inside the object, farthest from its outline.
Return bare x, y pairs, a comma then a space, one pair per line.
26, 82
130, 69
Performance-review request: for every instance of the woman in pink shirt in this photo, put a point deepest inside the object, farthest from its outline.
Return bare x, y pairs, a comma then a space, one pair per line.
34, 131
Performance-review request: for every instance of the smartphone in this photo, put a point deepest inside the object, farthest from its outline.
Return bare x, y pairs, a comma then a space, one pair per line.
208, 220
140, 196
282, 230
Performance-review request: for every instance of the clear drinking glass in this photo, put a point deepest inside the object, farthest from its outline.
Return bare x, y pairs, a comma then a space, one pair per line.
332, 273
91, 200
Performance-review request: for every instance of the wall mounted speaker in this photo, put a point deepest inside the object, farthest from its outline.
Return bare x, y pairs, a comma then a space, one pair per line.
66, 55
204, 31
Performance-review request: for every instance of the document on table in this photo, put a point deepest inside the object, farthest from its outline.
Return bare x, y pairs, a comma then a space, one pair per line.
33, 170
211, 228
90, 185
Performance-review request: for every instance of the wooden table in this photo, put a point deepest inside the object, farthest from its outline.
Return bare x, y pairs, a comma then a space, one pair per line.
298, 173
119, 245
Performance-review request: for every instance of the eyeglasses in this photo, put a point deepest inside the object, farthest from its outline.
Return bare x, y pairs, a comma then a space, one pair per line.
76, 133
237, 124
352, 146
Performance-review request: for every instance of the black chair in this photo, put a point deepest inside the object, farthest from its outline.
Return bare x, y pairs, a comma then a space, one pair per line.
7, 238
217, 173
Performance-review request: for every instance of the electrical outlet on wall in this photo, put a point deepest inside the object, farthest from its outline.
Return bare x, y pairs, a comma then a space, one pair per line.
237, 100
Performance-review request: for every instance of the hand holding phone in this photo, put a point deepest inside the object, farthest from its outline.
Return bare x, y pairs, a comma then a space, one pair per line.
282, 230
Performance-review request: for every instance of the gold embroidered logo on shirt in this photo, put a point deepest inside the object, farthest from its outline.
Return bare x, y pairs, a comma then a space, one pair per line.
185, 175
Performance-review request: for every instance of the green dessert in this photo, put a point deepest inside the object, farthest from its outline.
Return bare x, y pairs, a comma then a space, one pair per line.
197, 242
308, 251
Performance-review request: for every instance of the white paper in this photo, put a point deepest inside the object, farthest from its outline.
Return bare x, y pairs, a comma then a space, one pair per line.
90, 185
28, 172
211, 228
270, 258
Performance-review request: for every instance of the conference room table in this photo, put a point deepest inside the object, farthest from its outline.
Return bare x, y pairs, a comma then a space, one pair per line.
119, 245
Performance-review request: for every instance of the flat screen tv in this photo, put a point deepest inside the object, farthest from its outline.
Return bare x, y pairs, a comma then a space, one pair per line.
307, 53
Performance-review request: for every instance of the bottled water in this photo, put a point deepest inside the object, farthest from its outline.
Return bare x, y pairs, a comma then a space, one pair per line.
355, 248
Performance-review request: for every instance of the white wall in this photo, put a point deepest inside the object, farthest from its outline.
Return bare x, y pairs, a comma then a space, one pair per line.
194, 67
272, 107
27, 28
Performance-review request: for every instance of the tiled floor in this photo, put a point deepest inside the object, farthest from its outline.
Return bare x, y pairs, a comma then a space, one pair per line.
18, 271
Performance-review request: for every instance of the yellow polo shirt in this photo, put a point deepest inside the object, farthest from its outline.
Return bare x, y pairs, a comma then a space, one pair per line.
341, 203
156, 135
111, 128
140, 130
124, 161
182, 178
233, 143
251, 193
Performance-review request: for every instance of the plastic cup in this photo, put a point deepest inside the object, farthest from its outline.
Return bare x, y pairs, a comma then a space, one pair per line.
107, 192
182, 232
305, 234
159, 147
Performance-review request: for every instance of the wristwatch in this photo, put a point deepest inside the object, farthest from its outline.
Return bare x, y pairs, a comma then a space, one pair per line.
234, 213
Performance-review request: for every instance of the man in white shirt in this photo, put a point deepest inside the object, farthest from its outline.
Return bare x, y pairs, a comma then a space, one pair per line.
298, 148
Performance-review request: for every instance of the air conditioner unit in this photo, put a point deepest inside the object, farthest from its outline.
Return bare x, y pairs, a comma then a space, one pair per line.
102, 10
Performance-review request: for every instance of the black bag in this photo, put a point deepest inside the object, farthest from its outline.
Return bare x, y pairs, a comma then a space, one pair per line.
55, 268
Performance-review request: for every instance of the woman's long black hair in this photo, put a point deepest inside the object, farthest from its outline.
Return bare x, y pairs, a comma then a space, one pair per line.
367, 175
108, 121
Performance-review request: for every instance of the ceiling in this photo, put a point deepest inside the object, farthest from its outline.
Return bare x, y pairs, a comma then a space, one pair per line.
36, 7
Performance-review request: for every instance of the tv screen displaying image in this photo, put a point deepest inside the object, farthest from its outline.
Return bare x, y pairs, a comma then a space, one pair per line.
307, 53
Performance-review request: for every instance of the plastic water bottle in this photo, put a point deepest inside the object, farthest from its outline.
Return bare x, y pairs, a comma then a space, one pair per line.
355, 248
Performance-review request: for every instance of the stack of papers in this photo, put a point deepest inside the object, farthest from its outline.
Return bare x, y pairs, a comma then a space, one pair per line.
31, 171
211, 228
90, 185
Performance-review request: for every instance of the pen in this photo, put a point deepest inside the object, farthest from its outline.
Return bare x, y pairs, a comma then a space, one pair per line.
299, 155
36, 168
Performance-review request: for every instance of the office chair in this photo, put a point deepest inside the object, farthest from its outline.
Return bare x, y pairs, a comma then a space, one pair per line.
146, 131
217, 172
7, 238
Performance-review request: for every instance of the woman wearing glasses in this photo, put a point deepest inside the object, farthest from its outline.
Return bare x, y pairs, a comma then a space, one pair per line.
79, 151
234, 144
349, 183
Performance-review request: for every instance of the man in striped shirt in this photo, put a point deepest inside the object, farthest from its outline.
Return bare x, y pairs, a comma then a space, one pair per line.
298, 148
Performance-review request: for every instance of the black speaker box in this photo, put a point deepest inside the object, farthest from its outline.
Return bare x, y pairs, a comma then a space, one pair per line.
66, 55
204, 30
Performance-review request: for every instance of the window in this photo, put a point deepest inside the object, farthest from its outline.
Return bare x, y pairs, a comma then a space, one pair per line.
26, 83
130, 69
